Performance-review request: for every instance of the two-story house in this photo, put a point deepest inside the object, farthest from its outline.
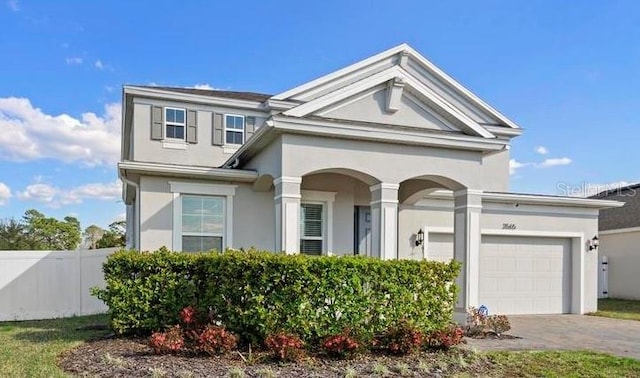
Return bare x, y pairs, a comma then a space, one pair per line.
389, 157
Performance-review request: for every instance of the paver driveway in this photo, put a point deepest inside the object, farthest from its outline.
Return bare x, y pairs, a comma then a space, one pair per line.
575, 332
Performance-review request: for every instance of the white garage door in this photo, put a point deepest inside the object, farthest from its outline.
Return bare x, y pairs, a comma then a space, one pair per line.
525, 275
518, 275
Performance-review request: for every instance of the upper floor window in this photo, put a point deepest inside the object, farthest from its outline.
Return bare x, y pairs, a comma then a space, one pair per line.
234, 129
175, 123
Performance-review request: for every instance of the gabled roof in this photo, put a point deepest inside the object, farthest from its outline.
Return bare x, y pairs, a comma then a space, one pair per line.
247, 96
402, 59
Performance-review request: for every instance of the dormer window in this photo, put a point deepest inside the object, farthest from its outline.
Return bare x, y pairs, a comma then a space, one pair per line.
234, 129
175, 123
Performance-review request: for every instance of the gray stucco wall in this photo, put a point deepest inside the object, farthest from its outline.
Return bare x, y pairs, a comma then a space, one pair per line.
202, 153
623, 251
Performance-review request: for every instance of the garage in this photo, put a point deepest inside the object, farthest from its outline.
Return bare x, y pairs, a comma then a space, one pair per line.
518, 274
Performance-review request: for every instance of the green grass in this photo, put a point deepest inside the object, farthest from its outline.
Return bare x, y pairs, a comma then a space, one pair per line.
618, 308
31, 348
562, 364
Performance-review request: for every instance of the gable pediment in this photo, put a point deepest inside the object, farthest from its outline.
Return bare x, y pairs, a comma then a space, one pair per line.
396, 87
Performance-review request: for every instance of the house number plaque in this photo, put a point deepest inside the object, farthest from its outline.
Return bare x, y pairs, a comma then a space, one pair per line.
509, 226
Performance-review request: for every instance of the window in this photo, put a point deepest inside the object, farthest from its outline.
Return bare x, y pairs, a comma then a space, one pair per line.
234, 129
202, 223
175, 122
311, 228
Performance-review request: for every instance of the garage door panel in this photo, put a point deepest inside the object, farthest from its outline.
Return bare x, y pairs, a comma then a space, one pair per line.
532, 275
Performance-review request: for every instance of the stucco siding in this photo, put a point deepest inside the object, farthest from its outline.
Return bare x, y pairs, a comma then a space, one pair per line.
495, 172
623, 252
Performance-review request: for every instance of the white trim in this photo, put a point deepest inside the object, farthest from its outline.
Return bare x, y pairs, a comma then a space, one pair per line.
287, 180
243, 131
619, 231
384, 185
187, 97
174, 144
238, 175
167, 123
178, 188
230, 149
327, 199
550, 200
578, 252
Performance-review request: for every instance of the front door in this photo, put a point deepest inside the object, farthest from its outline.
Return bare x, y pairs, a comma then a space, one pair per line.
362, 232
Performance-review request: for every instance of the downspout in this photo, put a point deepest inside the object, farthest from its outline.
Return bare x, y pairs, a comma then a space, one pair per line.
136, 212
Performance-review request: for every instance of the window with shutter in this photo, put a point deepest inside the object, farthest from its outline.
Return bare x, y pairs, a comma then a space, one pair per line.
175, 123
311, 228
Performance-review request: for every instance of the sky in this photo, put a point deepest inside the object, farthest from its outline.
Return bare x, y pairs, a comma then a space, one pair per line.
567, 72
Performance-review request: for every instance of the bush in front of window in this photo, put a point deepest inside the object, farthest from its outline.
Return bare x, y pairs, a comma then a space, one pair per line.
255, 294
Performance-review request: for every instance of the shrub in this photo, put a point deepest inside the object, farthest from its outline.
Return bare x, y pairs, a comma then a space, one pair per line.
188, 315
255, 294
446, 338
216, 340
170, 341
340, 345
498, 324
400, 339
285, 347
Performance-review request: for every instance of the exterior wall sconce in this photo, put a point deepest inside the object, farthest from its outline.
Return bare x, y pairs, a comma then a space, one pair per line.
594, 243
419, 238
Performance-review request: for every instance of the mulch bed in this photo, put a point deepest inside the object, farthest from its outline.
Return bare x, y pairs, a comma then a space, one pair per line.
132, 357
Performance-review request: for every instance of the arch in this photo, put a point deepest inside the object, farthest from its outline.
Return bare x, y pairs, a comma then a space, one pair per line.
358, 175
263, 183
414, 189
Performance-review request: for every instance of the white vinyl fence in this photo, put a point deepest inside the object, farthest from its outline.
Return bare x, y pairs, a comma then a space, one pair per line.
50, 284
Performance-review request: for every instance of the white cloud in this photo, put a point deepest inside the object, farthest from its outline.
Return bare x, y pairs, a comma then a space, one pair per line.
203, 86
587, 189
542, 150
99, 65
5, 193
14, 5
74, 60
554, 162
54, 196
29, 134
514, 165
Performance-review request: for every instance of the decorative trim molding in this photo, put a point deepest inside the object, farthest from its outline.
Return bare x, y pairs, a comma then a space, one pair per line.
287, 180
184, 187
238, 175
394, 94
384, 185
619, 231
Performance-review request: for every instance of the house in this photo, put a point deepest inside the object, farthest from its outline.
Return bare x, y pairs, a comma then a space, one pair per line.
620, 242
388, 157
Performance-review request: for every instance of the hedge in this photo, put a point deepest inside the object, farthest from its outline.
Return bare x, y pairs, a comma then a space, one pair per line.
254, 293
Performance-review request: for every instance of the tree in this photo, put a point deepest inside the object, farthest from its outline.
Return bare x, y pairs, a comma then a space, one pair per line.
13, 236
51, 233
92, 236
115, 236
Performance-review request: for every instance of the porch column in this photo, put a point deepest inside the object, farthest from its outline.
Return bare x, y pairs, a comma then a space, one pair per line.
287, 201
384, 221
466, 248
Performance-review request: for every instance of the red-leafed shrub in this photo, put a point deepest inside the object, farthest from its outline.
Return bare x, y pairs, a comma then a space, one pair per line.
216, 340
446, 338
170, 341
285, 347
188, 315
400, 339
340, 345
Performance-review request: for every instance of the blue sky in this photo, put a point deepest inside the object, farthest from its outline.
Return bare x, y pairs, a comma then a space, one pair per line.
566, 73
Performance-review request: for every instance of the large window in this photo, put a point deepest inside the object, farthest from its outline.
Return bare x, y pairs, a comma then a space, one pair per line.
311, 228
175, 123
202, 223
234, 129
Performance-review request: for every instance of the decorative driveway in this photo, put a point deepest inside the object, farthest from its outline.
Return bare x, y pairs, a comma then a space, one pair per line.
572, 332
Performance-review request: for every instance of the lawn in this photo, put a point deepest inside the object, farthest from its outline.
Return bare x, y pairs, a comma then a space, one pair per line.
618, 308
31, 348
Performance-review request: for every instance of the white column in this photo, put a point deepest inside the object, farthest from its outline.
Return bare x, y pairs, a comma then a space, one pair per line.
466, 248
287, 202
384, 221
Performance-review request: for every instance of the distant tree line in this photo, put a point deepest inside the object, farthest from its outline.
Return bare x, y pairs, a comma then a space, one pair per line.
35, 231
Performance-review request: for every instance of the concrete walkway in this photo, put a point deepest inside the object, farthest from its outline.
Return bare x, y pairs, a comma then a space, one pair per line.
572, 332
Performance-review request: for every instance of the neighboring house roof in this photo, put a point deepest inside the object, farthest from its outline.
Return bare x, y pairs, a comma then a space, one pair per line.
627, 216
247, 96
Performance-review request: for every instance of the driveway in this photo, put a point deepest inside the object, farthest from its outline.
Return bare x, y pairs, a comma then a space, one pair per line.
575, 332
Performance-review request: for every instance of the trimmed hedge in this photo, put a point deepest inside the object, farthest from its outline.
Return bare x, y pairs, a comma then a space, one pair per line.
254, 294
